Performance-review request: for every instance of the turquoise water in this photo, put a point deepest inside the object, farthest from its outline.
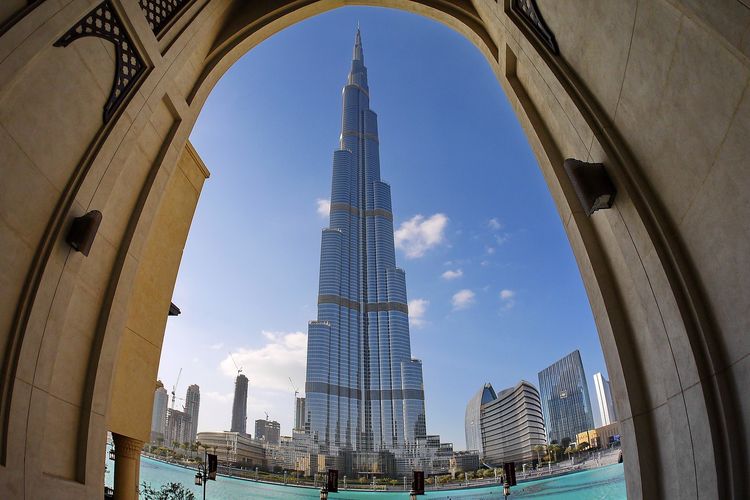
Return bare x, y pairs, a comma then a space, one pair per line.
605, 483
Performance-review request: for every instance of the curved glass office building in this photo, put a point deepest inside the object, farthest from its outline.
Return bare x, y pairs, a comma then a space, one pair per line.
510, 423
364, 391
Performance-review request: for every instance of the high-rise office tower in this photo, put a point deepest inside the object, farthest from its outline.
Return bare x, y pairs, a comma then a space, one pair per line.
299, 414
604, 397
159, 415
363, 390
192, 405
565, 399
239, 406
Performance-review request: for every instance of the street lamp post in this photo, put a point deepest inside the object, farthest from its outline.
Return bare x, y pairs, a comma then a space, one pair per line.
201, 477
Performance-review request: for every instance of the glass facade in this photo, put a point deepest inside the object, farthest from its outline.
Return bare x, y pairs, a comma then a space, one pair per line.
472, 423
363, 390
565, 399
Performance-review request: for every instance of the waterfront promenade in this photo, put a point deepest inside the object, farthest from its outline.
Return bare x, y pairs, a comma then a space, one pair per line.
605, 483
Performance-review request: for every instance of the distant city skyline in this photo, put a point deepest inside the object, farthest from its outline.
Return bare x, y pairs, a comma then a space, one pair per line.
492, 280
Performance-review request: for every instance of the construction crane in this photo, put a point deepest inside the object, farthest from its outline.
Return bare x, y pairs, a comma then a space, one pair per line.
174, 387
239, 368
266, 415
296, 391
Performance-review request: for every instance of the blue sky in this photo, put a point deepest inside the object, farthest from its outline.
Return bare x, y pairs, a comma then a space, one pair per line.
495, 292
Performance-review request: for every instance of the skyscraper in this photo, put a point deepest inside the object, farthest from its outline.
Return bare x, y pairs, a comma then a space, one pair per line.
565, 399
604, 397
192, 405
239, 406
364, 392
299, 414
159, 415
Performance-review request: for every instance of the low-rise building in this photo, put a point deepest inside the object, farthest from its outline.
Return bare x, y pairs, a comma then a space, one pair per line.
463, 461
234, 448
602, 437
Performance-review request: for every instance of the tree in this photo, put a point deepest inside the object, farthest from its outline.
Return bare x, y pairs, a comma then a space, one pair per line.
540, 448
554, 449
169, 491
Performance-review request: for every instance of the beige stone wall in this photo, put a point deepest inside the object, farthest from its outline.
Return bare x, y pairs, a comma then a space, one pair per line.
655, 89
140, 344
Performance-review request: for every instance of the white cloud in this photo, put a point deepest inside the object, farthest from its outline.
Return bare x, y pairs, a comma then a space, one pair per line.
452, 275
462, 299
508, 298
217, 346
324, 207
501, 238
490, 250
419, 234
270, 366
494, 224
417, 309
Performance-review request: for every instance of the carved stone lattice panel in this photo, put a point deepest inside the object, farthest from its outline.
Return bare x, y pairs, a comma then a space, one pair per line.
159, 13
103, 22
529, 12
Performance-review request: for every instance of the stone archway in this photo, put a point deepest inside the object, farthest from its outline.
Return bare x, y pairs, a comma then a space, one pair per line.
654, 89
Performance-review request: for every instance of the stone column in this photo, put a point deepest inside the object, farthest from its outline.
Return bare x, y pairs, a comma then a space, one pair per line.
127, 466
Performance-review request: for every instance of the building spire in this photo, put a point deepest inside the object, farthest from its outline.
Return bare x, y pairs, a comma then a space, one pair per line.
358, 55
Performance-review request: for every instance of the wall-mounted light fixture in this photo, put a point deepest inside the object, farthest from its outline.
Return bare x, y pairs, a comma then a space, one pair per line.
592, 184
83, 231
173, 310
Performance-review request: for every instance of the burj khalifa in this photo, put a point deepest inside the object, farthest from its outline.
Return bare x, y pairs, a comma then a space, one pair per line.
364, 390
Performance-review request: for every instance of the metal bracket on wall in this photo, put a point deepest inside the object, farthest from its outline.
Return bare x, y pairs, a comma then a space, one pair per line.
104, 22
529, 12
